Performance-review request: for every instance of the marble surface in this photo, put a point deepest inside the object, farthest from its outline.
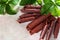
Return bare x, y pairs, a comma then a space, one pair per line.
10, 29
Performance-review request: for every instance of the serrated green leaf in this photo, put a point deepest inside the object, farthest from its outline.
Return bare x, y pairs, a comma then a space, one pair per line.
1, 9
26, 2
10, 10
57, 2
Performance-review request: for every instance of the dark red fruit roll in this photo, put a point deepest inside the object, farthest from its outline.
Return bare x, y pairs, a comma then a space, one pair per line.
53, 23
37, 21
26, 19
56, 30
29, 15
38, 28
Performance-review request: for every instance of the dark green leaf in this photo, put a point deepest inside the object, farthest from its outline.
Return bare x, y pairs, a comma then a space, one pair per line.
10, 10
1, 9
3, 1
57, 2
26, 2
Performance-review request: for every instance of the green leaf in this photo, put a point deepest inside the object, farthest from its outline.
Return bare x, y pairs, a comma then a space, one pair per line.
14, 2
55, 11
3, 0
57, 2
39, 2
58, 11
47, 1
26, 2
45, 9
1, 9
10, 10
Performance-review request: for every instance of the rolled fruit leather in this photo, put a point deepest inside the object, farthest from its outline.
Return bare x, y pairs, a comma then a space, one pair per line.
49, 20
50, 30
41, 26
37, 28
26, 19
38, 21
56, 30
29, 15
44, 31
30, 10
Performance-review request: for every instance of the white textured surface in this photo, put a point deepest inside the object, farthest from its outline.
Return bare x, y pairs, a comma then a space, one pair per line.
10, 29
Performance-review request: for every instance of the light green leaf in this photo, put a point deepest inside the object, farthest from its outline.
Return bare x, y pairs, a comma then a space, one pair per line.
58, 11
55, 11
39, 2
57, 2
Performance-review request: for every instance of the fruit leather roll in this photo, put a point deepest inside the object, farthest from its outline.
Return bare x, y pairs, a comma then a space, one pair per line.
56, 30
51, 18
37, 21
33, 7
26, 10
29, 15
26, 19
44, 31
50, 30
38, 28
